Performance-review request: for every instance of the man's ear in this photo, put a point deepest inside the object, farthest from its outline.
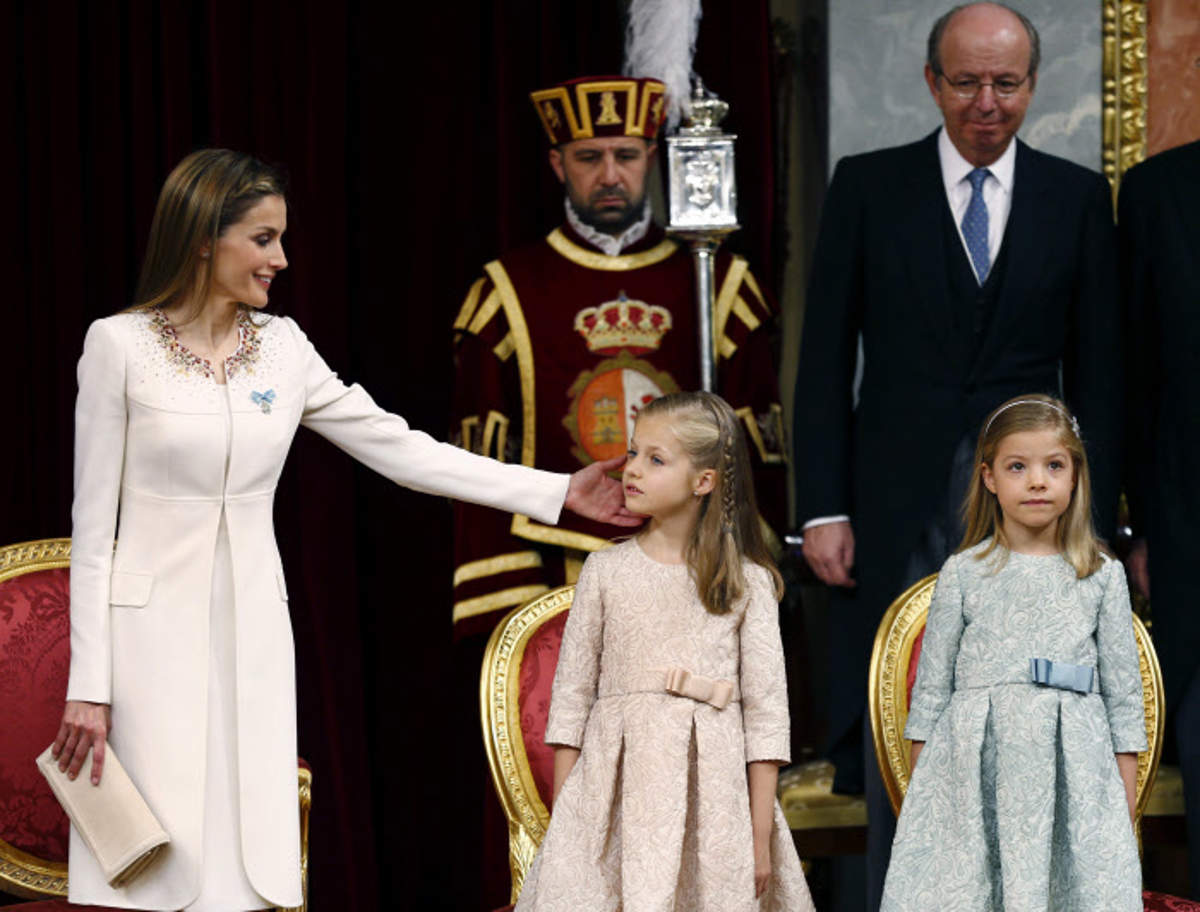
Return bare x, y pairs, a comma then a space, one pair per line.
556, 165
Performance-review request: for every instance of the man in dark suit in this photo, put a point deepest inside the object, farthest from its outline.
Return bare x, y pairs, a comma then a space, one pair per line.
966, 268
1160, 256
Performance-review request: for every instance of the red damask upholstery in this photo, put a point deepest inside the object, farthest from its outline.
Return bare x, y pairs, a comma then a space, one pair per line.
536, 681
34, 658
911, 677
35, 653
1161, 902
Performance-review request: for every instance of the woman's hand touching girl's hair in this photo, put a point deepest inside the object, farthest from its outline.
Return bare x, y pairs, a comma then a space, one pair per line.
594, 495
84, 726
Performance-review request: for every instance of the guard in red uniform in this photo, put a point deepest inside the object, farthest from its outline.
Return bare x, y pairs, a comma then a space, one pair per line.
561, 342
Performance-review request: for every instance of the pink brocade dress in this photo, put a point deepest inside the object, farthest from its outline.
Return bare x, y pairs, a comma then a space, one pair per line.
655, 816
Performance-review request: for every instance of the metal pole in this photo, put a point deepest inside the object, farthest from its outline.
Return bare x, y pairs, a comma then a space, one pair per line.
702, 252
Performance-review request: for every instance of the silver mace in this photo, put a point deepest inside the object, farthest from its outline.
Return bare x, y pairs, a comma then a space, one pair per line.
703, 194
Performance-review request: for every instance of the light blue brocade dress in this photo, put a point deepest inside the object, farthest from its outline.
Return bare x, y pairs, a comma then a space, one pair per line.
1016, 803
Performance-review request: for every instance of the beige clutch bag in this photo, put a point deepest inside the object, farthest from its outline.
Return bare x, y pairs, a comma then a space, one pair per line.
112, 817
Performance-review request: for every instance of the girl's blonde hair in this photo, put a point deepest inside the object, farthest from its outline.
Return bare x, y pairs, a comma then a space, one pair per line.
728, 528
207, 192
1075, 536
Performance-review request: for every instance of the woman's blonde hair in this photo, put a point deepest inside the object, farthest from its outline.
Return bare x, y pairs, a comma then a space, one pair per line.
207, 192
1075, 536
728, 528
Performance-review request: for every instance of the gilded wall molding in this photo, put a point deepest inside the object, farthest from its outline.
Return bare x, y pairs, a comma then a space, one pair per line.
1124, 76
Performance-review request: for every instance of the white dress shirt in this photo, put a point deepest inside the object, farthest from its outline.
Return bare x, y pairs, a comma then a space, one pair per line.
997, 196
997, 191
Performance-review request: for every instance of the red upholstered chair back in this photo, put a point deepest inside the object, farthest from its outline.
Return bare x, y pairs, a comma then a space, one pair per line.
514, 693
34, 661
534, 684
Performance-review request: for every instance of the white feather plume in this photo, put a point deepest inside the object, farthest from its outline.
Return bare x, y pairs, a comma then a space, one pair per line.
660, 43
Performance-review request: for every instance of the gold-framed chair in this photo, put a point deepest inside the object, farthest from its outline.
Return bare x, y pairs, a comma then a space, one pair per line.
514, 703
892, 673
34, 663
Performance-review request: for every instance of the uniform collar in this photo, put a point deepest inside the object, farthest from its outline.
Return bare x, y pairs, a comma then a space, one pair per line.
608, 243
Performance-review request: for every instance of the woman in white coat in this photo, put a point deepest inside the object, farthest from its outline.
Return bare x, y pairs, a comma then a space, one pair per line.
181, 642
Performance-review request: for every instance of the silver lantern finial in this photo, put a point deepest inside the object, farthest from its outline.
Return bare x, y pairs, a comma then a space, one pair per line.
703, 206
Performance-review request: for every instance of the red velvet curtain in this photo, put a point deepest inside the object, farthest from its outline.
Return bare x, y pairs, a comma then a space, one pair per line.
414, 157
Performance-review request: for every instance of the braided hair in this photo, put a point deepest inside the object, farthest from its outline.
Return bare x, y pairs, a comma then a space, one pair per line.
728, 530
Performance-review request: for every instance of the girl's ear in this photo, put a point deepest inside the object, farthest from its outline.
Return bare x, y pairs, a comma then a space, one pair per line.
989, 480
704, 482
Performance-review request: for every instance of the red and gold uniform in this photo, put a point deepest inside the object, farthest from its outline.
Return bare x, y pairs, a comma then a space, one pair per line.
557, 347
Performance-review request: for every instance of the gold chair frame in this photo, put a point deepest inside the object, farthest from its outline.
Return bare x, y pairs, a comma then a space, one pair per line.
30, 877
500, 715
888, 699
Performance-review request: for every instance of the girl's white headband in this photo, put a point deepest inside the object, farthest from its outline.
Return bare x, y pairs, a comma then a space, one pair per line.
1056, 407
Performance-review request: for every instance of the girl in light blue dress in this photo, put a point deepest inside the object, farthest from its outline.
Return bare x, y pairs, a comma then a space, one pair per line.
1027, 711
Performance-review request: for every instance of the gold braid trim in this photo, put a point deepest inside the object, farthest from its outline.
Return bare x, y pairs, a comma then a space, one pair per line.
491, 305
505, 598
468, 306
624, 262
724, 305
501, 563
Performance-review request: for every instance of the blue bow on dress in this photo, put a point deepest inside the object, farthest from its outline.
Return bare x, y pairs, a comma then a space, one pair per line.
263, 400
1062, 675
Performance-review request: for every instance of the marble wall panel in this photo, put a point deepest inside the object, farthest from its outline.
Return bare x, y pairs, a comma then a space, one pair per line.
878, 95
1173, 89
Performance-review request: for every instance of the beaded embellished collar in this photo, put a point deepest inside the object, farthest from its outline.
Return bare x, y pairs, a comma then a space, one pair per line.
241, 361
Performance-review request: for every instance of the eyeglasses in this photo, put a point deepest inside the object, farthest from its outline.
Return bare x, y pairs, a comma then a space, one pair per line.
970, 87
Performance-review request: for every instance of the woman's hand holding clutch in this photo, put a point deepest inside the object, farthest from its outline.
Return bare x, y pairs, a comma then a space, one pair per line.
84, 726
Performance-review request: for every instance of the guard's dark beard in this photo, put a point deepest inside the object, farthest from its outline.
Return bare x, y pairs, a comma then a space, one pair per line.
591, 217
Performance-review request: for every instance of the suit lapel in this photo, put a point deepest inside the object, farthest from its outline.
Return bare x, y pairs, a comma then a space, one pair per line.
1032, 221
921, 207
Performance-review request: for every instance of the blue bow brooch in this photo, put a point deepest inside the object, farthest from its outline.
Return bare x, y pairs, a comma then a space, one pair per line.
263, 400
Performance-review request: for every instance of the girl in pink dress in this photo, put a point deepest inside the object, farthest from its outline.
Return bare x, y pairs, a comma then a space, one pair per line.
669, 713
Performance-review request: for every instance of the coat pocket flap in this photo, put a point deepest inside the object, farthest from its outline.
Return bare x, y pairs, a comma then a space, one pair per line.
130, 589
282, 585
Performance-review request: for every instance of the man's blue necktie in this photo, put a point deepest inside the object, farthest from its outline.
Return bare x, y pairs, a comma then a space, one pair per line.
975, 225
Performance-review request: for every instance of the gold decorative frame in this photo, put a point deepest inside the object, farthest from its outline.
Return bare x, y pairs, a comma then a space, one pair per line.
500, 714
1123, 97
887, 696
30, 877
304, 782
21, 873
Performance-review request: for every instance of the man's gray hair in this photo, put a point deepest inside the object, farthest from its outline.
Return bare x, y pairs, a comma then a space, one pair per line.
933, 53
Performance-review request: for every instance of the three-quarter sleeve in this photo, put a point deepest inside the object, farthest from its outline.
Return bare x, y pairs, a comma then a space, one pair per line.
351, 420
763, 676
577, 677
1117, 659
100, 420
939, 652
